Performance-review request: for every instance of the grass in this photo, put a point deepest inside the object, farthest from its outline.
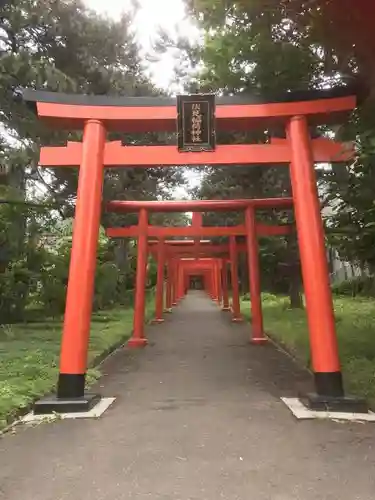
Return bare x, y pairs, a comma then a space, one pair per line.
29, 355
355, 330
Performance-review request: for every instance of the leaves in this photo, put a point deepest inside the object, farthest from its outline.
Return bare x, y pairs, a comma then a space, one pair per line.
267, 47
62, 46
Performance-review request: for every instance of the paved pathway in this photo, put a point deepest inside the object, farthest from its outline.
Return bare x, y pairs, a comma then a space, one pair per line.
198, 417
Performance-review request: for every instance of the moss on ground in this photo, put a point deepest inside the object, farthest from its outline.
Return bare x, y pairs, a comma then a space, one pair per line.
29, 355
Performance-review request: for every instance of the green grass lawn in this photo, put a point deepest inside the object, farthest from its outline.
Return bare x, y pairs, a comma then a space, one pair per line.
29, 355
355, 320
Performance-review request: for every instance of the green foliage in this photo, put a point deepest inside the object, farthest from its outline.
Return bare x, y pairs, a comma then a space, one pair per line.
29, 355
348, 191
106, 285
361, 285
254, 46
355, 330
63, 46
19, 257
109, 283
268, 48
14, 291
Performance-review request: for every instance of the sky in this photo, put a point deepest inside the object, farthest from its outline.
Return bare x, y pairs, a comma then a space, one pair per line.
167, 14
152, 15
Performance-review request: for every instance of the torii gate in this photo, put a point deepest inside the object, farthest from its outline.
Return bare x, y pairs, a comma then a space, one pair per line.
292, 112
251, 229
200, 250
172, 249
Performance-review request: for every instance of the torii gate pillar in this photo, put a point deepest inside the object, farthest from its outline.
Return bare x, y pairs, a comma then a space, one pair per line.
319, 306
138, 339
236, 308
76, 331
257, 335
159, 297
174, 269
224, 274
169, 291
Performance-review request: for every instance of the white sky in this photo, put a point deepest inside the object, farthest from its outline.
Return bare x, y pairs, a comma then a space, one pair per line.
153, 14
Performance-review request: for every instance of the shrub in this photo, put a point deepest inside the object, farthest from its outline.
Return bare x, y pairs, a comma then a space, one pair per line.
14, 291
106, 290
361, 285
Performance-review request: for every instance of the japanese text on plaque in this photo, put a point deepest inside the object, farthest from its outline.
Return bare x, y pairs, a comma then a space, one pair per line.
196, 123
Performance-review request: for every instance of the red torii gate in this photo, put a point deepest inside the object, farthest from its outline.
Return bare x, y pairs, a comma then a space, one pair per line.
293, 112
250, 229
185, 249
165, 257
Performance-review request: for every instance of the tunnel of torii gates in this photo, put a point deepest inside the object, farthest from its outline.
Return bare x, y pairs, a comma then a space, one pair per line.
185, 258
291, 115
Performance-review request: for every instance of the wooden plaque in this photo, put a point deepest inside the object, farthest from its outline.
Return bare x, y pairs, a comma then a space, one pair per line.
196, 122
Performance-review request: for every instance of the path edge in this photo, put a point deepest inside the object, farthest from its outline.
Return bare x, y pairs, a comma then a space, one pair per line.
97, 362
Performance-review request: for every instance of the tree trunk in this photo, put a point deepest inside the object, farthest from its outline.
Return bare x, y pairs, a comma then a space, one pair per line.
243, 274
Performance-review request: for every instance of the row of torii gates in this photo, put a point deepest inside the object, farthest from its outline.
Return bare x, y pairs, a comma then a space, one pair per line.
185, 258
292, 113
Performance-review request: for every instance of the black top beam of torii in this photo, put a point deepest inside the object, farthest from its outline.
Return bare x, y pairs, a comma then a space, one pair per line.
31, 97
245, 111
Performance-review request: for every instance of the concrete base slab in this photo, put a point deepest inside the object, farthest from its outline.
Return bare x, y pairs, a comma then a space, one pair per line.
136, 342
237, 320
157, 321
259, 340
301, 412
95, 412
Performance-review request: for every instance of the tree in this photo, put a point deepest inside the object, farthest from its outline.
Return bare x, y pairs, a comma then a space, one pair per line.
240, 40
331, 43
60, 45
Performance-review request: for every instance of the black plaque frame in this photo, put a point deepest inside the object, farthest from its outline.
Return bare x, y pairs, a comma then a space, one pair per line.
184, 107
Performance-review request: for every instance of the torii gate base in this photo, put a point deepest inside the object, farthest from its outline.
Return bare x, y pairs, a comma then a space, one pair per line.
78, 404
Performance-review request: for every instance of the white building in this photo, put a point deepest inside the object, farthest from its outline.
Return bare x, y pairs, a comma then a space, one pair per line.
340, 270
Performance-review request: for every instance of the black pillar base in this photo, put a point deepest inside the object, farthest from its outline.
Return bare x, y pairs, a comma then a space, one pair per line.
329, 384
49, 405
343, 404
330, 395
71, 385
70, 398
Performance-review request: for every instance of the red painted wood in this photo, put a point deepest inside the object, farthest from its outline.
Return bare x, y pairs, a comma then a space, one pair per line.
116, 155
198, 205
163, 118
320, 315
236, 307
257, 334
224, 279
76, 330
157, 231
138, 338
159, 295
